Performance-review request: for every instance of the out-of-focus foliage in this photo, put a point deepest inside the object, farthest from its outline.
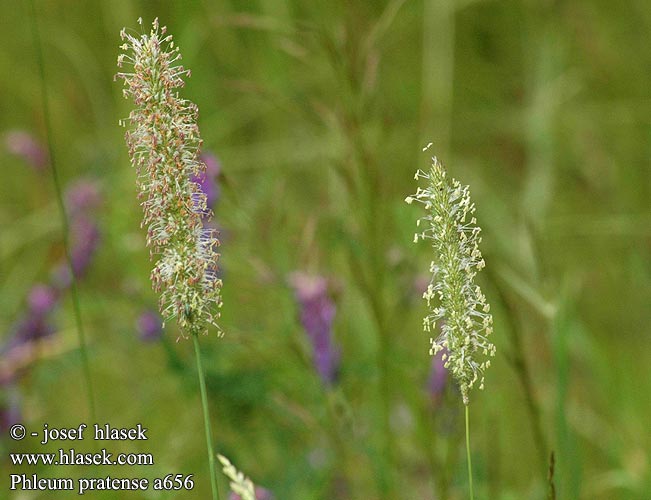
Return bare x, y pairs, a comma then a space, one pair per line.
317, 112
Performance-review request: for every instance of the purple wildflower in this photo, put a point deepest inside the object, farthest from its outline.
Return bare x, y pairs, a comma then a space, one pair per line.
420, 284
85, 240
35, 324
23, 145
42, 299
150, 326
32, 327
10, 411
85, 235
208, 185
208, 180
317, 315
438, 377
83, 195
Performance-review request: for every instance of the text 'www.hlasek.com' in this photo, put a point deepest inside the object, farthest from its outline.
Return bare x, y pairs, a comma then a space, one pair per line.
102, 435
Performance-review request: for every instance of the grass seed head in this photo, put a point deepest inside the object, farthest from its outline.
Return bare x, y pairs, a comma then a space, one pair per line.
164, 144
454, 301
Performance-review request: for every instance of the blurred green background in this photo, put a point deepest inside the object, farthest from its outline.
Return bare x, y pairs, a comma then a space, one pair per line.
318, 112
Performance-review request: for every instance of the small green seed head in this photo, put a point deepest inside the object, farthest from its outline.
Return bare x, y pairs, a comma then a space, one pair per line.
454, 301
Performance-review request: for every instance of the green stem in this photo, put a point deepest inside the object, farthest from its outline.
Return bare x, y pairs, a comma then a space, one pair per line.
337, 438
518, 361
206, 419
389, 445
551, 492
429, 426
62, 212
371, 273
438, 74
173, 360
472, 495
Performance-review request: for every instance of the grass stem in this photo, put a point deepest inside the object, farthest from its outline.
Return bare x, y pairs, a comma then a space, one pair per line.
206, 419
521, 366
62, 213
472, 495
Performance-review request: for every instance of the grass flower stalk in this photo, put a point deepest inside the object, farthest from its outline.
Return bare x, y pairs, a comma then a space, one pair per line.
62, 212
240, 484
468, 455
522, 368
317, 314
454, 301
164, 144
206, 419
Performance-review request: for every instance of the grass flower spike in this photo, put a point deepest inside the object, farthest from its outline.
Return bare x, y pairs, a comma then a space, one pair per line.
454, 300
163, 145
240, 484
164, 148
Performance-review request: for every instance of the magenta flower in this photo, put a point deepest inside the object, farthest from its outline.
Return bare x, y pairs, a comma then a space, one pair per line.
438, 377
31, 327
10, 409
83, 195
25, 146
317, 312
35, 323
42, 299
86, 237
207, 180
85, 241
150, 326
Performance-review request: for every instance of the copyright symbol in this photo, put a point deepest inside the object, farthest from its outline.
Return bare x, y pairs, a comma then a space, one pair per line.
17, 432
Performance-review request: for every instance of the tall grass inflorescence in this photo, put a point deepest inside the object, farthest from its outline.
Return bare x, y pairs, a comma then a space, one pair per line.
453, 298
164, 147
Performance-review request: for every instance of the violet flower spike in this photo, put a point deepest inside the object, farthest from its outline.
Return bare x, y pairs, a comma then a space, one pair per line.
150, 326
25, 146
83, 195
208, 180
35, 324
86, 238
42, 299
438, 376
317, 313
10, 408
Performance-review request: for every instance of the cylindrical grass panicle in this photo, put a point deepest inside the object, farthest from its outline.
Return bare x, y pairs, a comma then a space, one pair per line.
455, 302
164, 145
